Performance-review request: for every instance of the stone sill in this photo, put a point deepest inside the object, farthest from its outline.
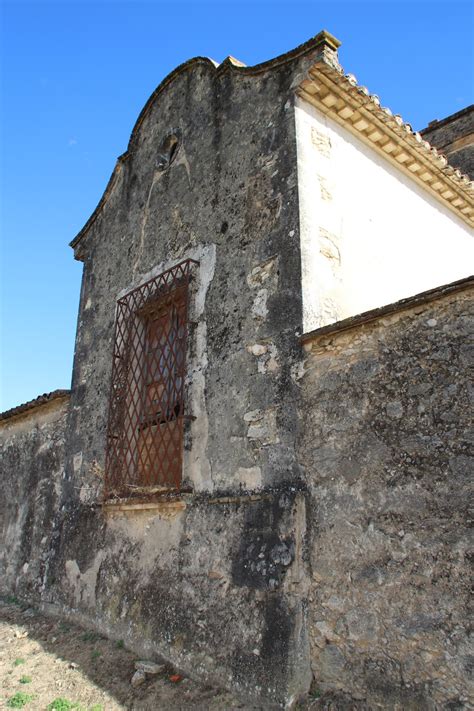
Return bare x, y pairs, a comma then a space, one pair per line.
179, 502
110, 506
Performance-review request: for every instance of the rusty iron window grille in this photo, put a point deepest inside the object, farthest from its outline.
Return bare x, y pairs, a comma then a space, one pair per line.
144, 452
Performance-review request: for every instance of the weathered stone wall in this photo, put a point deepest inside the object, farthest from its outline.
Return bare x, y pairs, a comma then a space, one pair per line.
32, 468
454, 136
385, 445
213, 584
232, 191
215, 587
369, 502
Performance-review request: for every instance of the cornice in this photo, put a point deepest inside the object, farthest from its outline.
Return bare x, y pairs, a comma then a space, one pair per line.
339, 96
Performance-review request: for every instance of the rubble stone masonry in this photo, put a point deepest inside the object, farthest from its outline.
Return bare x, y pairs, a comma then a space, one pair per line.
386, 444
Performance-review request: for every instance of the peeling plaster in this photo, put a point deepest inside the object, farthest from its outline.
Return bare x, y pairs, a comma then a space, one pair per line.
83, 584
259, 307
249, 478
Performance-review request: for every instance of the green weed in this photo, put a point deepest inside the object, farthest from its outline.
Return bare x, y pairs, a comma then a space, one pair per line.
120, 644
18, 661
61, 704
96, 654
12, 600
25, 680
90, 637
18, 700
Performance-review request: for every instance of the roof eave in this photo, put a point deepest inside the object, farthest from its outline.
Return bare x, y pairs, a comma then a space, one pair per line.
340, 97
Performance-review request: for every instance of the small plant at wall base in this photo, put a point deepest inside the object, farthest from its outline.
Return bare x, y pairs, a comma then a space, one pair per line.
12, 600
61, 704
18, 700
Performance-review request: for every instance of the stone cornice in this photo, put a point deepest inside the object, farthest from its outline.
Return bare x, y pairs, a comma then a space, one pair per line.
340, 97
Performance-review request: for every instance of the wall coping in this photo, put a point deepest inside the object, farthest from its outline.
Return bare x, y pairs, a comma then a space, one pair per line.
440, 123
425, 297
45, 399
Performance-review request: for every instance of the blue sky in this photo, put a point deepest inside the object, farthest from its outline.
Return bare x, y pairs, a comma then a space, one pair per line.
75, 76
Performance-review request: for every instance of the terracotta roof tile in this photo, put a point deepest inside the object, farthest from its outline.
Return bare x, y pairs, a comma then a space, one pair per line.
31, 404
340, 96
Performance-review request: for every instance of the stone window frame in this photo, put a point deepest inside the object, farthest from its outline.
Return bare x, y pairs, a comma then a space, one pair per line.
127, 430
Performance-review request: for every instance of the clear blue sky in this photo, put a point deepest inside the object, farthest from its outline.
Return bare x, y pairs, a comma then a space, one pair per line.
75, 76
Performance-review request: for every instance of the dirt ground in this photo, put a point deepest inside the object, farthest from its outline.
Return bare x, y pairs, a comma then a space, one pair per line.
50, 665
64, 667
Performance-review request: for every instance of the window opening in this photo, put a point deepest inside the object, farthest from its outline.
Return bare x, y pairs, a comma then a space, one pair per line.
147, 398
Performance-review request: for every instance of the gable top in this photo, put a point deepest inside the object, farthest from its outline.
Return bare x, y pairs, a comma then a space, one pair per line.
339, 96
229, 65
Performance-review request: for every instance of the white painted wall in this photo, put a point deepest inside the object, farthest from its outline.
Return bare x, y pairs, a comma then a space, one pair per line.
369, 234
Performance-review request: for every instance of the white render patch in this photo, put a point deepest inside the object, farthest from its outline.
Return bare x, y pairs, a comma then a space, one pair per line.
249, 478
258, 349
259, 307
379, 238
262, 272
267, 356
262, 426
83, 584
77, 462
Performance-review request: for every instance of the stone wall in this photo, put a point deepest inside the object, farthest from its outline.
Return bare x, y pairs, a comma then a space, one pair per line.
32, 469
454, 136
385, 444
215, 587
213, 584
346, 470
